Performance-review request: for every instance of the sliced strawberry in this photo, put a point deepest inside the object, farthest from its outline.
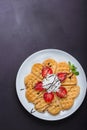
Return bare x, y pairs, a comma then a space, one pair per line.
46, 70
48, 97
62, 92
62, 76
39, 86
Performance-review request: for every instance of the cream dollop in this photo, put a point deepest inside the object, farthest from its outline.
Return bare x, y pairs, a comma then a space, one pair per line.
51, 83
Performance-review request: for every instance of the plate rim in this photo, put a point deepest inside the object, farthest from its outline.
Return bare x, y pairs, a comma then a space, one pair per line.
45, 50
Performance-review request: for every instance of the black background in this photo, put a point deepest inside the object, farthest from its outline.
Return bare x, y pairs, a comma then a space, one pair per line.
27, 26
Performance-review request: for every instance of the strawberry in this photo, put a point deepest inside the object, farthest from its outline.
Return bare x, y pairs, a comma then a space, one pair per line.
39, 86
48, 97
62, 76
62, 92
46, 70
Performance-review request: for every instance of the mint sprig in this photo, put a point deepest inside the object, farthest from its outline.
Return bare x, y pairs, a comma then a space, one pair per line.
73, 68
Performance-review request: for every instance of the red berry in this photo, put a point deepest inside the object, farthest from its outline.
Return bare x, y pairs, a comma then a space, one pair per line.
62, 92
39, 86
46, 70
48, 97
62, 76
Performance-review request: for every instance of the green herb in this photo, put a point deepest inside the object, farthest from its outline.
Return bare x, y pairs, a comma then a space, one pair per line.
73, 68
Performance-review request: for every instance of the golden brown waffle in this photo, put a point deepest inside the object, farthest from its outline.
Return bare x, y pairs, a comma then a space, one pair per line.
41, 109
40, 104
63, 67
70, 81
32, 95
66, 103
31, 80
51, 63
37, 70
55, 107
57, 104
74, 92
68, 88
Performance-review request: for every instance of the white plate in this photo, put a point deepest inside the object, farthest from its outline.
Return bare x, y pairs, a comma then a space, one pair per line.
40, 56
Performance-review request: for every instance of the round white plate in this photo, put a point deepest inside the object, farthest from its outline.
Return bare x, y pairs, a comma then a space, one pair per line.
40, 56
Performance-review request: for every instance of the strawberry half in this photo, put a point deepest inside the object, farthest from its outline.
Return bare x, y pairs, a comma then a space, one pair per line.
46, 70
48, 97
39, 86
62, 92
62, 76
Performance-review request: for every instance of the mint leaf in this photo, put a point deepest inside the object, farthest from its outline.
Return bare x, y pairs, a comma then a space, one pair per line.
73, 68
76, 73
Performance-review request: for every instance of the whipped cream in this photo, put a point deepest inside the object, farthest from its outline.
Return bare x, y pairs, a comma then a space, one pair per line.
51, 83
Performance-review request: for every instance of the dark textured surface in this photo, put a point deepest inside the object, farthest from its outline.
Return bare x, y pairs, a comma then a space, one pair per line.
27, 26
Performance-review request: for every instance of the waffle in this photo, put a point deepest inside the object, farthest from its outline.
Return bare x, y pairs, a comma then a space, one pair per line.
51, 63
37, 70
68, 88
40, 104
70, 81
30, 80
32, 95
66, 103
36, 97
74, 92
63, 67
55, 107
